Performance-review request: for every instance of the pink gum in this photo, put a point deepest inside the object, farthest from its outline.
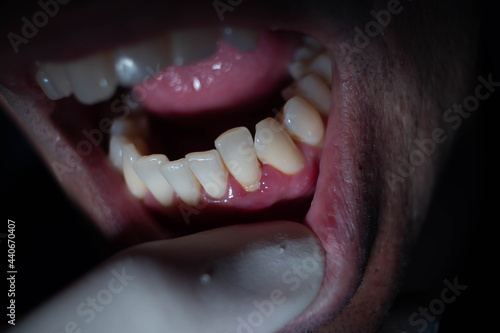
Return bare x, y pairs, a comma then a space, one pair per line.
274, 187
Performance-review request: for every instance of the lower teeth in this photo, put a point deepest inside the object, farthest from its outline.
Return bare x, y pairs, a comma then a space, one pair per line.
236, 152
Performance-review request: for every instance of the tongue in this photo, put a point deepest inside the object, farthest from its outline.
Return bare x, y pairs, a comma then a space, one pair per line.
236, 279
227, 79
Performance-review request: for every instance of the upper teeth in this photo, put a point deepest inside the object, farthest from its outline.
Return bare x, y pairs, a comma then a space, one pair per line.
243, 39
95, 78
92, 79
131, 64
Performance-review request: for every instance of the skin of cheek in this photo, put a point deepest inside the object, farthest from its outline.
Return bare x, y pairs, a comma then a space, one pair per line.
412, 78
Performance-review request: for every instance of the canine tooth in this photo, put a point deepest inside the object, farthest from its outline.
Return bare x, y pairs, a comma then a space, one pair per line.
275, 147
137, 63
116, 144
180, 177
302, 121
210, 171
92, 79
53, 80
312, 88
135, 185
235, 146
192, 45
323, 66
148, 170
244, 40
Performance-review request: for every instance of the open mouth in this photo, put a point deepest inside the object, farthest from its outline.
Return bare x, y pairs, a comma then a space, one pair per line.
209, 143
204, 128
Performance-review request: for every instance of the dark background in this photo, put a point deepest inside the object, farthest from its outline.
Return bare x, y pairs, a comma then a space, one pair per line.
55, 244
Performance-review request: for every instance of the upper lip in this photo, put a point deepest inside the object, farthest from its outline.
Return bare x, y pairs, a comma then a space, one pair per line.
63, 37
348, 229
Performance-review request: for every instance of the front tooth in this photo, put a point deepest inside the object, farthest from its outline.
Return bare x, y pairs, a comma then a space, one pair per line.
244, 40
135, 185
313, 89
92, 79
136, 63
275, 147
192, 45
302, 121
53, 80
235, 146
323, 67
148, 170
212, 174
179, 176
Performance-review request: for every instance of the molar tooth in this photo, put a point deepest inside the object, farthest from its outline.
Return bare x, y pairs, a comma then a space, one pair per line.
148, 170
244, 40
136, 63
313, 89
53, 80
180, 177
302, 121
323, 67
135, 185
275, 147
235, 146
92, 79
210, 170
192, 45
